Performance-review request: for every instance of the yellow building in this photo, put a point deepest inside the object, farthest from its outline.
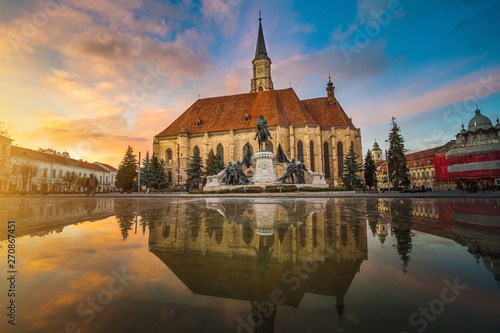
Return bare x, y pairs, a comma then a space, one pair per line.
316, 130
5, 144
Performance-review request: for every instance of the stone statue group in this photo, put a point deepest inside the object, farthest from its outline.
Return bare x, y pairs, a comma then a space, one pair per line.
234, 175
294, 170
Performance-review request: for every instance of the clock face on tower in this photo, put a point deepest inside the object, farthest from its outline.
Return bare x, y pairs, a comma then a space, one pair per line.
260, 71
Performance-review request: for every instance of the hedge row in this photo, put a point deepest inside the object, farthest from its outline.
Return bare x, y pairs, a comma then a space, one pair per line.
321, 189
284, 188
250, 189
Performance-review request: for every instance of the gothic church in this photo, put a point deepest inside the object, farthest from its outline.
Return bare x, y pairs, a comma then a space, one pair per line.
316, 130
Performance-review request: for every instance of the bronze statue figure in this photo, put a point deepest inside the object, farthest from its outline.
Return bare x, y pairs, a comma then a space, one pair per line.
262, 132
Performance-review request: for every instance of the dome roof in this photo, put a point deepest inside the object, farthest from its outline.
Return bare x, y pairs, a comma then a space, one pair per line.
479, 122
376, 147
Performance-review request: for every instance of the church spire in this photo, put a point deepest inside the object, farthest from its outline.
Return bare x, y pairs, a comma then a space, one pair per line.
261, 80
260, 50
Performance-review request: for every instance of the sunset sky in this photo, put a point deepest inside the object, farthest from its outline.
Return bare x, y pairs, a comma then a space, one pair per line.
91, 77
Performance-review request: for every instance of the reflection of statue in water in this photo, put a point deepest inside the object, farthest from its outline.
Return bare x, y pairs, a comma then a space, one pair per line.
262, 132
290, 171
263, 253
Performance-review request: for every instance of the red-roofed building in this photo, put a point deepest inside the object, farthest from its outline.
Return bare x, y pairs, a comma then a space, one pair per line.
316, 130
51, 169
420, 165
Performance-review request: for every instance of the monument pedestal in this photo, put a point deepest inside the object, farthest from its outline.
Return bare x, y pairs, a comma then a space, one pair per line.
264, 163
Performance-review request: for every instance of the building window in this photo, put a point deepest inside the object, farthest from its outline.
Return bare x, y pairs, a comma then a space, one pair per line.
168, 155
269, 146
340, 159
248, 146
300, 151
60, 173
170, 176
107, 178
54, 173
220, 151
311, 154
326, 159
14, 169
196, 151
45, 173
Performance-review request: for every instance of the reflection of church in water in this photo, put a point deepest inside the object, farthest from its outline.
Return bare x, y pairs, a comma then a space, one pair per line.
249, 250
469, 222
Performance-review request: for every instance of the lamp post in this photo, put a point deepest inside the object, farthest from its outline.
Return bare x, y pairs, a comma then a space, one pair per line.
387, 167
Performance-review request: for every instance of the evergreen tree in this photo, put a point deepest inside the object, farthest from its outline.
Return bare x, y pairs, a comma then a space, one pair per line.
209, 164
127, 171
350, 179
396, 159
213, 165
158, 169
148, 178
219, 163
194, 171
370, 170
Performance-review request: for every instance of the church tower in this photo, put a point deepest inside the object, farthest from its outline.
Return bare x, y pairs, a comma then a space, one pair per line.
261, 65
376, 153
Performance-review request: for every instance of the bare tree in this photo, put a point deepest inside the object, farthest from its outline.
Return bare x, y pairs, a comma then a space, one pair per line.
70, 177
28, 170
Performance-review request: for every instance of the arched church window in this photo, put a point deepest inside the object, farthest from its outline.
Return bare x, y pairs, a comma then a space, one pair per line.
170, 176
198, 122
220, 151
249, 146
247, 118
326, 159
196, 150
311, 154
168, 155
269, 146
302, 234
300, 151
261, 89
340, 158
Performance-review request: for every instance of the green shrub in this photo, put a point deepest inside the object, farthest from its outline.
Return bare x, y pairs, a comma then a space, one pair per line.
250, 189
285, 188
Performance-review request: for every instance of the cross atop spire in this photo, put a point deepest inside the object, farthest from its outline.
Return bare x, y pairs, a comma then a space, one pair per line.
260, 50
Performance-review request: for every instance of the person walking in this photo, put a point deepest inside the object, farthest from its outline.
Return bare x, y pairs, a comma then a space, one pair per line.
91, 184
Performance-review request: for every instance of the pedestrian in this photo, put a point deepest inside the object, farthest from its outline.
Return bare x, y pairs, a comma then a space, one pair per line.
91, 184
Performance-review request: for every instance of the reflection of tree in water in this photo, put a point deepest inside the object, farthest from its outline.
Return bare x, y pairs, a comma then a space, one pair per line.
350, 216
153, 218
329, 224
125, 216
193, 216
401, 227
215, 224
372, 214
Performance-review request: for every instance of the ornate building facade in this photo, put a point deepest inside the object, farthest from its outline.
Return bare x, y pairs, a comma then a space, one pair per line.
316, 130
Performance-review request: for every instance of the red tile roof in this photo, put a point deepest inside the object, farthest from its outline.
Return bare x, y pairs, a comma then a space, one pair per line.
428, 153
109, 166
327, 114
44, 157
279, 107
